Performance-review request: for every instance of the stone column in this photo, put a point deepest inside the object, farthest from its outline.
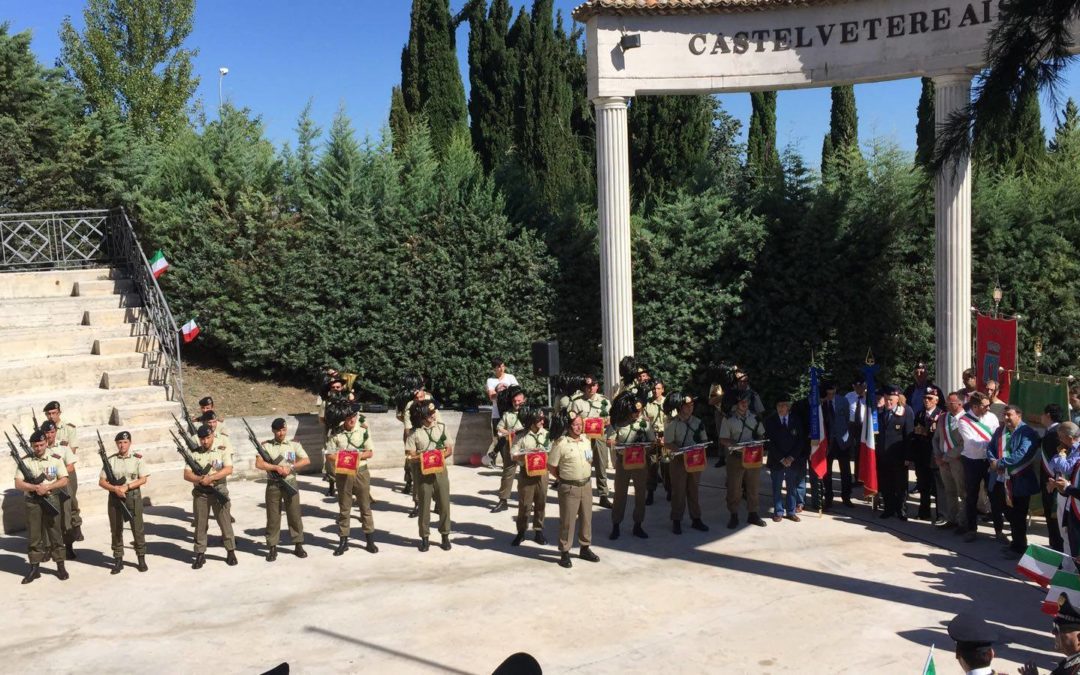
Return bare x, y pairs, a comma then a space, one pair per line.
613, 196
952, 250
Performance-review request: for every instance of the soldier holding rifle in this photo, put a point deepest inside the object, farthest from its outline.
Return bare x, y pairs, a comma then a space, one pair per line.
40, 476
123, 476
208, 469
281, 459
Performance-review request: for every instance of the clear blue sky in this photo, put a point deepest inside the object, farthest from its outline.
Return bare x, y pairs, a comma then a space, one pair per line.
281, 54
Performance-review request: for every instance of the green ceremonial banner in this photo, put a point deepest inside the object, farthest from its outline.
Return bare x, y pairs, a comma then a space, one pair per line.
1033, 392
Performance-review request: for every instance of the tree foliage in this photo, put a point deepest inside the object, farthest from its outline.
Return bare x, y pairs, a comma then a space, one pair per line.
430, 76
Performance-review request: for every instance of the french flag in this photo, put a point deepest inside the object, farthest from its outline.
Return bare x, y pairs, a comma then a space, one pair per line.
819, 442
867, 446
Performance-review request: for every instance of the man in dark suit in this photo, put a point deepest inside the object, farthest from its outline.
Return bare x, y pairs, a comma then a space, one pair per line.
1052, 416
896, 424
835, 415
785, 454
922, 453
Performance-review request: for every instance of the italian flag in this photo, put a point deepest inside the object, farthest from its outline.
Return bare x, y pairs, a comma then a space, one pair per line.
929, 668
1040, 564
190, 331
158, 264
1065, 584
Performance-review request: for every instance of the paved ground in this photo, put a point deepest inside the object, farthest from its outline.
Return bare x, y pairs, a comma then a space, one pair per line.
840, 594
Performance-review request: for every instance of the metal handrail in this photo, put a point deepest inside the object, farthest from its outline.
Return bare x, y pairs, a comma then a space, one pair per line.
52, 240
125, 249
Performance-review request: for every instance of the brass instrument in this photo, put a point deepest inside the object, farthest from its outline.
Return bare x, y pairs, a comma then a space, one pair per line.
350, 380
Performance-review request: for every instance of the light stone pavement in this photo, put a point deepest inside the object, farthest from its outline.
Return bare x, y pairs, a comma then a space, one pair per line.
839, 594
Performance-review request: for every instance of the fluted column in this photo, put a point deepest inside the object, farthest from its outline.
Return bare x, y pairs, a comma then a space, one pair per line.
952, 250
613, 196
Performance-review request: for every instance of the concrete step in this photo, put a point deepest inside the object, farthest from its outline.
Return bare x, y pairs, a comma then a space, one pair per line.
103, 287
108, 317
144, 434
80, 406
66, 310
125, 377
120, 345
41, 342
141, 413
54, 283
83, 371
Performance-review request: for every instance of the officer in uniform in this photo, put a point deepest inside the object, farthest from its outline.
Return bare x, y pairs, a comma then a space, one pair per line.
43, 529
571, 462
896, 425
288, 457
658, 470
68, 506
206, 498
430, 434
974, 642
126, 466
353, 435
593, 404
742, 426
510, 401
412, 392
628, 426
683, 430
333, 398
1066, 640
532, 490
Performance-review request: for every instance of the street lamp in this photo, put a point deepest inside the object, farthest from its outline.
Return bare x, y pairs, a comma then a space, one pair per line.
1038, 352
997, 299
222, 72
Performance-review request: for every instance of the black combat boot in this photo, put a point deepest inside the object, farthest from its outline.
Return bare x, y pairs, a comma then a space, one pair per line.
500, 506
271, 555
61, 573
518, 539
445, 545
34, 573
614, 532
424, 545
142, 564
69, 551
587, 554
539, 538
117, 566
299, 551
371, 547
564, 560
200, 560
639, 532
342, 546
230, 558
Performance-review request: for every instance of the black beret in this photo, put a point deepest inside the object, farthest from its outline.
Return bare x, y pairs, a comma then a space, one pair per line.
970, 630
1067, 618
206, 400
207, 416
123, 436
47, 425
37, 437
892, 390
277, 424
743, 395
204, 431
51, 405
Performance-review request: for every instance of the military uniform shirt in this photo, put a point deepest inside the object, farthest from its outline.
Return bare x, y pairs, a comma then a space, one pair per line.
654, 412
597, 406
530, 442
573, 457
423, 439
638, 432
680, 434
50, 464
65, 435
739, 430
406, 415
286, 453
510, 422
217, 458
358, 439
65, 452
127, 469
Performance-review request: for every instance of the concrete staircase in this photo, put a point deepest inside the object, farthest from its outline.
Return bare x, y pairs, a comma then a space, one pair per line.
78, 337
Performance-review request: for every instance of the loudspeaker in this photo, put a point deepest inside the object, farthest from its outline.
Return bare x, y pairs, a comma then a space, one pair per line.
545, 358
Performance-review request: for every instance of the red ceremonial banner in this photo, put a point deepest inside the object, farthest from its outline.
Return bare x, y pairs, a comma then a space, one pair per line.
695, 459
633, 457
752, 456
535, 463
346, 462
594, 427
995, 348
431, 462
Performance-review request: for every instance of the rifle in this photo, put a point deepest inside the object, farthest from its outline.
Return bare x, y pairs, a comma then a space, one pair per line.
62, 493
192, 445
199, 471
29, 477
271, 475
110, 476
33, 413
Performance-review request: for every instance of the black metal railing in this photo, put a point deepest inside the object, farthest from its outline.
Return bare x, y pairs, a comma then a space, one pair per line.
74, 239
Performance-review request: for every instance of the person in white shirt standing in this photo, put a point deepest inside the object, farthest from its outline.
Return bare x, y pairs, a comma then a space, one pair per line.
977, 425
500, 377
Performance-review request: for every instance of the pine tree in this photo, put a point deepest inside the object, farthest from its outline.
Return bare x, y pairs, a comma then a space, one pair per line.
300, 166
399, 120
130, 59
491, 79
926, 127
1065, 132
669, 145
762, 157
430, 77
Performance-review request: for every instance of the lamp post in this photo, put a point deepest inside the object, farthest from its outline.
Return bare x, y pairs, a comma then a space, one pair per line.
997, 299
1038, 352
222, 72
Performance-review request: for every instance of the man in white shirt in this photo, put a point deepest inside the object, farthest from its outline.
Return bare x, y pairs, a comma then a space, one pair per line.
977, 425
501, 377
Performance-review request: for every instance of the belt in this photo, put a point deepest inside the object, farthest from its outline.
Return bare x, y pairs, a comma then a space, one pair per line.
575, 483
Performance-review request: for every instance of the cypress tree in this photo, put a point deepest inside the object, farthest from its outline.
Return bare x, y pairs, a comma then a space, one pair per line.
399, 120
843, 132
491, 80
1029, 141
1067, 125
430, 78
762, 158
925, 129
669, 144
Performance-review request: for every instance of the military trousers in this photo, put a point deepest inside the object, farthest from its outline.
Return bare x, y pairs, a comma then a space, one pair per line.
44, 538
358, 487
532, 492
72, 517
276, 500
509, 471
575, 509
684, 489
435, 485
623, 478
741, 482
133, 499
202, 506
601, 460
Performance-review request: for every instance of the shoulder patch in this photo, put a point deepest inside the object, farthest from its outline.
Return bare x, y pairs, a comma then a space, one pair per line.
56, 456
69, 424
138, 456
